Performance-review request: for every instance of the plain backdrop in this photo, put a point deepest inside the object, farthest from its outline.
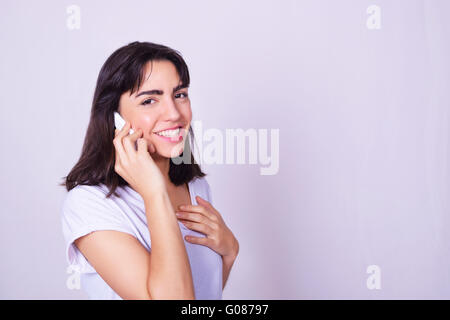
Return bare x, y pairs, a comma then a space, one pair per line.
363, 119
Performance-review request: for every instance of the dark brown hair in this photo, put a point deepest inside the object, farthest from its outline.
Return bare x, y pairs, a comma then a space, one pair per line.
123, 71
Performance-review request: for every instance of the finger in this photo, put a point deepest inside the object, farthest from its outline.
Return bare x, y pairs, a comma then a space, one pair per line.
117, 159
130, 140
199, 227
145, 147
195, 217
118, 141
125, 130
199, 209
120, 152
207, 204
142, 146
199, 240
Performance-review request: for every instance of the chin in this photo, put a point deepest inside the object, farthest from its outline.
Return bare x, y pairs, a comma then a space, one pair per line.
170, 152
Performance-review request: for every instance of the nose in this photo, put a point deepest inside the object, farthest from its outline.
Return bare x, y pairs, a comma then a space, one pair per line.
171, 110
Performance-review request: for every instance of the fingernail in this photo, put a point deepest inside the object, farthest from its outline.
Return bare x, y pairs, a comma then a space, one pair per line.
177, 214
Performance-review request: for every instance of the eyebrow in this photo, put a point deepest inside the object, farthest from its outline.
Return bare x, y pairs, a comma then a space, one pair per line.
161, 92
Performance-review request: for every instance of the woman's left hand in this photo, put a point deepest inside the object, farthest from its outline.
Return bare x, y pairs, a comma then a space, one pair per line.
205, 219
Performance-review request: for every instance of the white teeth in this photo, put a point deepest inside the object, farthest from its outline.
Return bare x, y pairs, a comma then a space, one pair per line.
169, 133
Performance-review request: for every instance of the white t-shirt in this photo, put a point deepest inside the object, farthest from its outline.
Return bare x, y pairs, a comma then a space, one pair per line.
86, 209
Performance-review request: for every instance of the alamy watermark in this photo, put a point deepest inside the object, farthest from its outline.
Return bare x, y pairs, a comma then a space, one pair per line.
374, 280
73, 21
74, 279
212, 146
373, 22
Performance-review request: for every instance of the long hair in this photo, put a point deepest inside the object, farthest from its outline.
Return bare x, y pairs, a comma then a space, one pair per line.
123, 71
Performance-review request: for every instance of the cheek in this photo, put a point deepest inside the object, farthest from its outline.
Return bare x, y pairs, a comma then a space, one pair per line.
146, 123
186, 112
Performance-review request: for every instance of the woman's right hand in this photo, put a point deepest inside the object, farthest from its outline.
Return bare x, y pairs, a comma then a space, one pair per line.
137, 167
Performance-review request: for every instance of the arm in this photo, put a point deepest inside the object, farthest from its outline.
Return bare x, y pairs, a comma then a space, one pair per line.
170, 275
130, 270
227, 262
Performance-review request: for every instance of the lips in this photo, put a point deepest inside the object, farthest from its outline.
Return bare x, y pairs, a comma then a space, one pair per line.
172, 136
174, 139
176, 127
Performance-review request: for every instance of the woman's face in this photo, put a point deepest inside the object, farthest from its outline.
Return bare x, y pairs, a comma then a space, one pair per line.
158, 105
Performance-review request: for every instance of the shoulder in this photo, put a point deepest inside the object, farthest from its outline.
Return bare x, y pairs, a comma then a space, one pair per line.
88, 204
86, 209
82, 195
83, 192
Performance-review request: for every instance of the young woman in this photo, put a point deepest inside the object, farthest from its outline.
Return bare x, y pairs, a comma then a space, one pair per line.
120, 217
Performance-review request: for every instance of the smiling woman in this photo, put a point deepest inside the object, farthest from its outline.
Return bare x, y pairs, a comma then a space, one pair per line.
120, 77
162, 109
118, 216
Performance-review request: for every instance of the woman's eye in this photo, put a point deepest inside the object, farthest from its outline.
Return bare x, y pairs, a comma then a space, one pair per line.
181, 93
147, 101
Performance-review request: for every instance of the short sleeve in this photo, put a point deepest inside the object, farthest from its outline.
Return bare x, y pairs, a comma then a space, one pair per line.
86, 209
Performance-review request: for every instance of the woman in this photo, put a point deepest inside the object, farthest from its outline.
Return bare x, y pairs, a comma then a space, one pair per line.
137, 224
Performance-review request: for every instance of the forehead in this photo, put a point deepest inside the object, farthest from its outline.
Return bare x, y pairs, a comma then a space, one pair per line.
160, 72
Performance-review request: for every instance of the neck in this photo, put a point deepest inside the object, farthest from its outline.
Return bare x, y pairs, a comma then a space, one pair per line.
163, 165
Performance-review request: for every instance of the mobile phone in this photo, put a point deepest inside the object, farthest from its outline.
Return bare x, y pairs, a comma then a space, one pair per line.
119, 122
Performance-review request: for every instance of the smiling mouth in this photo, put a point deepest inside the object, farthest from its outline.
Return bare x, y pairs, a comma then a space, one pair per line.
170, 133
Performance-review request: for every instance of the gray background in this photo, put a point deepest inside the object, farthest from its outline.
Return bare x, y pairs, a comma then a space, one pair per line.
364, 136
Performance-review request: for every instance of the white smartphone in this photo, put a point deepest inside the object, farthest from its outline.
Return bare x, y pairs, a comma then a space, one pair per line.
119, 122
